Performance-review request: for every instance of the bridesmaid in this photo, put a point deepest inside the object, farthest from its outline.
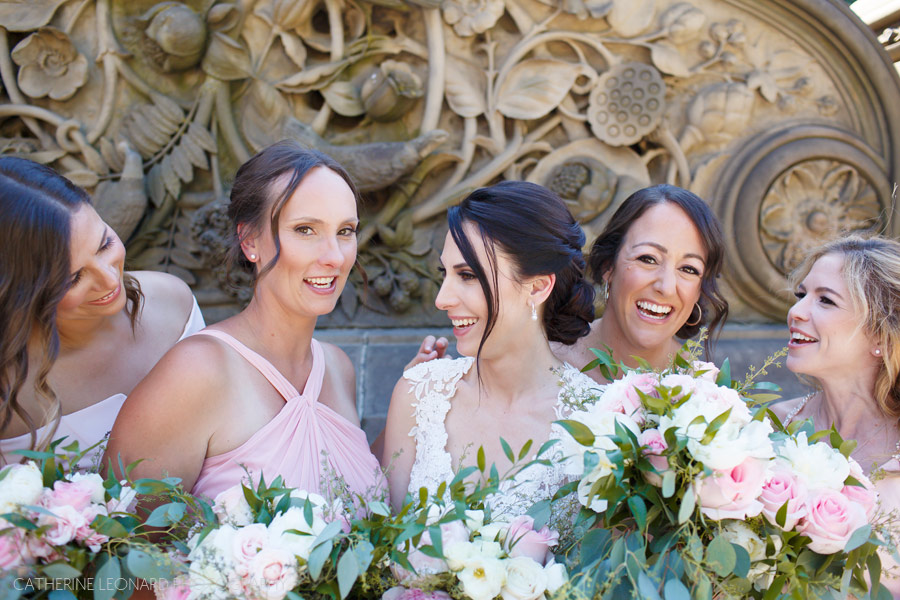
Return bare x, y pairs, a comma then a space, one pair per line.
77, 332
658, 260
845, 339
256, 391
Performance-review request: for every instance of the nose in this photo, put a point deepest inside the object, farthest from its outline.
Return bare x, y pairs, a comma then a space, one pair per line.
110, 271
799, 311
445, 299
331, 254
665, 282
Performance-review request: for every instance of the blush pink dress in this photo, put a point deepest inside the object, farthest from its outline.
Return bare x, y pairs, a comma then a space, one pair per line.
298, 442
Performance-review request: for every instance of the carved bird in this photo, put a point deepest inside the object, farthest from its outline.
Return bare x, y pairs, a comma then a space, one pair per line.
372, 166
122, 203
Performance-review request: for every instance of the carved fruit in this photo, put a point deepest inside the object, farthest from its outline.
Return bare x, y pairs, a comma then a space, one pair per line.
626, 104
400, 300
390, 91
175, 37
382, 285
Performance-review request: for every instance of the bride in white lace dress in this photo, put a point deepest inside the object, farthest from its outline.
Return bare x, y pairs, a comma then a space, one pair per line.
514, 281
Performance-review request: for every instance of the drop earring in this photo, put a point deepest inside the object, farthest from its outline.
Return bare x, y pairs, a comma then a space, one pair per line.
533, 312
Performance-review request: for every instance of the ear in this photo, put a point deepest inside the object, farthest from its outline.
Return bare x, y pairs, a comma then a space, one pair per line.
248, 242
540, 288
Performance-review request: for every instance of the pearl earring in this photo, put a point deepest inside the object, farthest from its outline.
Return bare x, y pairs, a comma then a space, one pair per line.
877, 351
533, 312
252, 257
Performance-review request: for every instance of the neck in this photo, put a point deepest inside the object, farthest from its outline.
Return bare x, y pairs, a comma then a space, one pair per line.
849, 403
610, 334
503, 375
278, 332
78, 333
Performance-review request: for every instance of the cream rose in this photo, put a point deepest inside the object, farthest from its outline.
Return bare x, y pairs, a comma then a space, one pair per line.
525, 579
22, 485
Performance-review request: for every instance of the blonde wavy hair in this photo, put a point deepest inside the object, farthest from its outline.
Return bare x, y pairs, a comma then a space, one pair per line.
871, 271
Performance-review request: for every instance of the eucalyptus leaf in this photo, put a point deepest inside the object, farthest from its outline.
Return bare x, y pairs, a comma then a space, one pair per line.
581, 432
106, 579
720, 556
675, 590
688, 503
347, 572
858, 538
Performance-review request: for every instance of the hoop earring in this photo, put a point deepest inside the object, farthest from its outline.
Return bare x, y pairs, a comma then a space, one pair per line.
699, 316
533, 312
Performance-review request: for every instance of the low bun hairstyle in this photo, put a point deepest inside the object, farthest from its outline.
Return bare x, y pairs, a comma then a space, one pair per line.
606, 248
533, 228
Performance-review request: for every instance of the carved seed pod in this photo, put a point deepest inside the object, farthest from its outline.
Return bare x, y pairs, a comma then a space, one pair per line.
626, 104
175, 37
390, 91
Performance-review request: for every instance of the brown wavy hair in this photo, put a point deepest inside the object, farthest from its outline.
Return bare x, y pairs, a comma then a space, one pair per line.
36, 206
871, 271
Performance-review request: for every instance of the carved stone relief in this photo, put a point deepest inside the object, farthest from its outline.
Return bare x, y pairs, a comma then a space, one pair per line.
784, 115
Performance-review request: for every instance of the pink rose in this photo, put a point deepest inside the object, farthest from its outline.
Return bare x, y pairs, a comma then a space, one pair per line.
622, 397
831, 520
64, 523
13, 550
655, 445
864, 494
88, 536
172, 590
523, 540
732, 493
273, 573
247, 543
709, 370
783, 486
401, 593
66, 493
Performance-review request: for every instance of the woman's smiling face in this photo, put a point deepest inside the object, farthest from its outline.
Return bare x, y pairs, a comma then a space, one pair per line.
656, 278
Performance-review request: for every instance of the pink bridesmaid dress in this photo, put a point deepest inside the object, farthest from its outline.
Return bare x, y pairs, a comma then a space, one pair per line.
296, 441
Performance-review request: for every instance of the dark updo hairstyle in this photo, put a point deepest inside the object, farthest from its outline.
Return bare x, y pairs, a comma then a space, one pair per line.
607, 245
36, 208
256, 201
535, 230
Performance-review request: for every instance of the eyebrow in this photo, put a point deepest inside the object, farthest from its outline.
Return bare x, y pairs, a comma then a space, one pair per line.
823, 289
316, 221
664, 250
103, 239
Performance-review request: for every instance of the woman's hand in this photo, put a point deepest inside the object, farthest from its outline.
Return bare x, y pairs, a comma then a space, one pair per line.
430, 349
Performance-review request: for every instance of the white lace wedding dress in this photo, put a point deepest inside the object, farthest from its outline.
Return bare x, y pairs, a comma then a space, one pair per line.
434, 385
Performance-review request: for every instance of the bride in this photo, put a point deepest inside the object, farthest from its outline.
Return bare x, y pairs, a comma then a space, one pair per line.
513, 282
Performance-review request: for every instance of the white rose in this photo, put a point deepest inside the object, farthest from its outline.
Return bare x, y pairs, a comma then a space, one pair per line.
474, 520
294, 519
818, 465
483, 577
231, 507
733, 444
314, 498
94, 482
709, 370
525, 579
492, 531
125, 501
738, 533
556, 575
22, 485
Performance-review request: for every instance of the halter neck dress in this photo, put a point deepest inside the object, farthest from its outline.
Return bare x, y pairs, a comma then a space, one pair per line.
307, 443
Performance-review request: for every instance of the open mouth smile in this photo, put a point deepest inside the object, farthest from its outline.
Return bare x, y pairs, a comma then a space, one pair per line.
320, 283
108, 297
657, 312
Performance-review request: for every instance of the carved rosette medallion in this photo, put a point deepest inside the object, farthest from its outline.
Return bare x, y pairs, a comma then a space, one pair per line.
811, 203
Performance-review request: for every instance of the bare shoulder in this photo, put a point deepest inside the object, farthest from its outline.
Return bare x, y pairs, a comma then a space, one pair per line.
168, 302
340, 380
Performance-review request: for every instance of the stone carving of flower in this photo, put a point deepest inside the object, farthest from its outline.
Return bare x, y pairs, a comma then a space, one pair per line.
811, 203
587, 186
49, 65
627, 103
469, 17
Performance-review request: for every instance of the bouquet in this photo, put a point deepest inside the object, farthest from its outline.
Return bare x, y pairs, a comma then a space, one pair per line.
448, 546
698, 491
269, 543
70, 532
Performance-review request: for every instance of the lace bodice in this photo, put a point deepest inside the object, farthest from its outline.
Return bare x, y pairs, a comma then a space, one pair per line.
434, 385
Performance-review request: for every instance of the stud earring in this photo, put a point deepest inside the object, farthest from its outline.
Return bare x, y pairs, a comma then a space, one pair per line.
533, 312
252, 257
877, 351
